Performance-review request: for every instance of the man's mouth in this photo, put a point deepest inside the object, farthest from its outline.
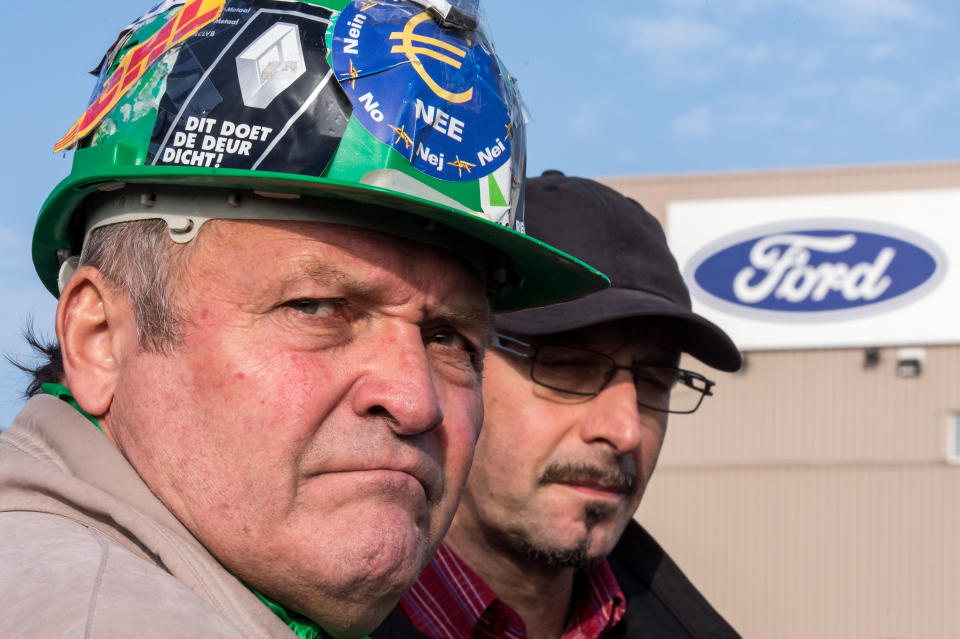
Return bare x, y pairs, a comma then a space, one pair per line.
395, 472
428, 481
596, 487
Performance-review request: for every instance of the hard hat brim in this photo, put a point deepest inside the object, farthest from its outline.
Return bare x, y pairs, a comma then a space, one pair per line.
547, 275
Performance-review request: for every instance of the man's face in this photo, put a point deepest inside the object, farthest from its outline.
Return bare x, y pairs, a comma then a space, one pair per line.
556, 478
316, 426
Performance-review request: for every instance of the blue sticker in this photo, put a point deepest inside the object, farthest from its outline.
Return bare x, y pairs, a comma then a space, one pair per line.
812, 270
434, 95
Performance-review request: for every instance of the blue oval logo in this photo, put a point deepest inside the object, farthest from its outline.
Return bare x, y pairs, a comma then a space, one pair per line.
813, 270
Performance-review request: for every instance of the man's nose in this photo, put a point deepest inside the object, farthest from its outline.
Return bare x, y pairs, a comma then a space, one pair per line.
614, 416
398, 384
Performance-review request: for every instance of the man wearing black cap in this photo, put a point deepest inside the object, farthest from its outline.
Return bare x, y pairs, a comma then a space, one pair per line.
576, 398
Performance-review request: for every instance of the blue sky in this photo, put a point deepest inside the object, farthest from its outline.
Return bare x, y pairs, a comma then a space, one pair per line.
614, 88
693, 85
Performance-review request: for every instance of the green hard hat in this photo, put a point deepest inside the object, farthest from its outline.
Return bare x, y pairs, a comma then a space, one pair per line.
397, 114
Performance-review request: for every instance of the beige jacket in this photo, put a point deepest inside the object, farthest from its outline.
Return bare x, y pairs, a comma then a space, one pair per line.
86, 550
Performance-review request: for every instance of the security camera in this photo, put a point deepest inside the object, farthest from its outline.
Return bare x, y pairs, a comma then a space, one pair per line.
910, 361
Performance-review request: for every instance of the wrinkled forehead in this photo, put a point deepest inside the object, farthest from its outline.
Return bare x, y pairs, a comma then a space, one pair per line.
348, 261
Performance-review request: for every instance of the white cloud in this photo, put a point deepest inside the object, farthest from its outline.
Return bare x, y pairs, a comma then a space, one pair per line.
686, 47
882, 51
753, 112
773, 113
695, 123
811, 61
670, 37
586, 121
753, 54
939, 93
892, 10
874, 93
683, 5
860, 17
676, 46
852, 17
767, 117
814, 91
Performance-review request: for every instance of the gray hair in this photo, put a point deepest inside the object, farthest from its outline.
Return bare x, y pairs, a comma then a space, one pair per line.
139, 259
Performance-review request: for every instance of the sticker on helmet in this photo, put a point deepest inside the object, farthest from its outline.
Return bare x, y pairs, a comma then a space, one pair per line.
253, 91
195, 15
434, 95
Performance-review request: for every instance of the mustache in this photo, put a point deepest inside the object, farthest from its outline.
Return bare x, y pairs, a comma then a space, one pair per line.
586, 473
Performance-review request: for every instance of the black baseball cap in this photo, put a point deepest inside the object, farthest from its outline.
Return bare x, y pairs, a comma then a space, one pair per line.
617, 235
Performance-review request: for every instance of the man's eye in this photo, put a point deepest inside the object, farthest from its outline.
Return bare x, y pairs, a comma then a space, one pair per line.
321, 307
663, 380
454, 344
571, 364
450, 339
568, 362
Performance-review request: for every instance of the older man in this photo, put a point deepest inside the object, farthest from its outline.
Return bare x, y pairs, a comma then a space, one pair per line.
577, 398
272, 317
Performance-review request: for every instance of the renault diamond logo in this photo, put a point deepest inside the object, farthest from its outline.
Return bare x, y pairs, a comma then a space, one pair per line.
270, 65
408, 37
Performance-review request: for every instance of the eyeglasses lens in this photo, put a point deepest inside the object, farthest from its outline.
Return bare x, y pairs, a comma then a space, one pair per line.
571, 370
582, 372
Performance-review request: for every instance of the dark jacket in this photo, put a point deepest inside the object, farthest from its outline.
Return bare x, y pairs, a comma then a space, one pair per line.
661, 601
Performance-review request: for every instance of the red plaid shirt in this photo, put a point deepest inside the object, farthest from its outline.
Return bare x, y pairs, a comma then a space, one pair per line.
449, 601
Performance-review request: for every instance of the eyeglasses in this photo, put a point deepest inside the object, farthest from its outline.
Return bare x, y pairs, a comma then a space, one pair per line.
579, 371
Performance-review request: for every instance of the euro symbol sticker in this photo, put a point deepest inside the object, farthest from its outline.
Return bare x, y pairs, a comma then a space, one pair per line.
413, 53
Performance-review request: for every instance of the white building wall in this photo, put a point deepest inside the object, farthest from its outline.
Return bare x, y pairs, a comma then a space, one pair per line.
813, 496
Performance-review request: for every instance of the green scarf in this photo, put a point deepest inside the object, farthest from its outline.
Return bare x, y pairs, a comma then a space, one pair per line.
62, 392
301, 626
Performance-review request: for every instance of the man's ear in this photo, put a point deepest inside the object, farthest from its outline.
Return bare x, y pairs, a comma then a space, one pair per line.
94, 323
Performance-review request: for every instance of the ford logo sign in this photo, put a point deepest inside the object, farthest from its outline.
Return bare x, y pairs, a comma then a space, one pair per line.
817, 268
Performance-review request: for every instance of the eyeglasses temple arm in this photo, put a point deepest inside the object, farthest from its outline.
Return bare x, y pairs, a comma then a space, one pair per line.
498, 341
